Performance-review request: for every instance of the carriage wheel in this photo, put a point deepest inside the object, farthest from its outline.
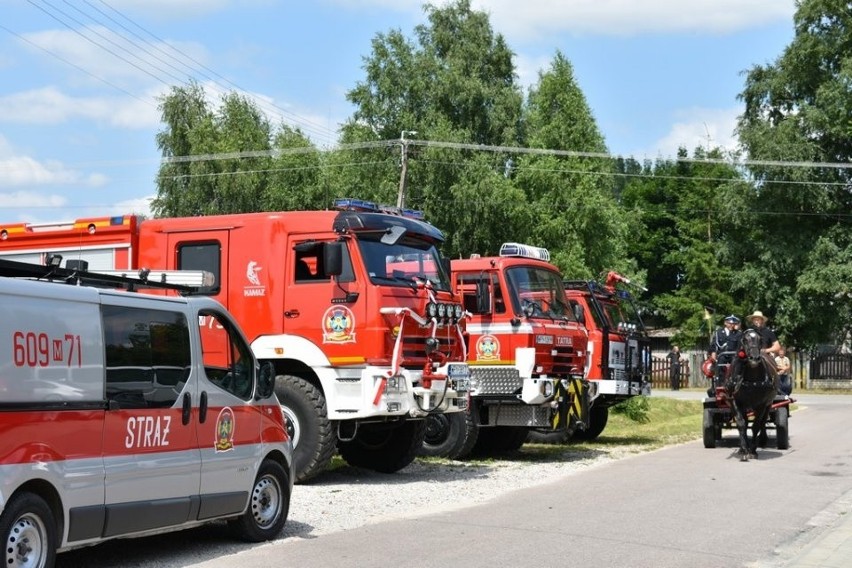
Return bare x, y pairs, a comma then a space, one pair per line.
709, 429
782, 437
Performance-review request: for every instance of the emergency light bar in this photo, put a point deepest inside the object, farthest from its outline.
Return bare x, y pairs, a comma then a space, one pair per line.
349, 204
525, 251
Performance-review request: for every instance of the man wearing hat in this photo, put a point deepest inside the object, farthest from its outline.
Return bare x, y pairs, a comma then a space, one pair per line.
768, 341
723, 347
769, 345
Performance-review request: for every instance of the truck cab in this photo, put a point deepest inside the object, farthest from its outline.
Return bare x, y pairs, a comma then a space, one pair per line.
526, 349
619, 350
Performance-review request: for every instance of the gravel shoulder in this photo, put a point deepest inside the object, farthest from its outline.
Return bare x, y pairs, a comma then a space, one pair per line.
348, 497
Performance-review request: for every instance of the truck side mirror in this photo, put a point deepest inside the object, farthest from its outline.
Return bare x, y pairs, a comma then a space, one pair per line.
332, 258
579, 314
265, 380
483, 297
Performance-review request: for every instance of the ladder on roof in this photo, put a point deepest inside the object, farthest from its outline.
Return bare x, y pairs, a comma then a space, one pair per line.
185, 281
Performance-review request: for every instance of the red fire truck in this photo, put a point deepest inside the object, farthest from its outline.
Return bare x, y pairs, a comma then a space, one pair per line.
527, 354
352, 306
619, 350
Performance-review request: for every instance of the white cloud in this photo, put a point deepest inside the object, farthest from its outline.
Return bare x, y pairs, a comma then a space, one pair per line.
612, 17
629, 17
19, 171
106, 56
709, 128
528, 68
30, 199
135, 206
49, 105
24, 171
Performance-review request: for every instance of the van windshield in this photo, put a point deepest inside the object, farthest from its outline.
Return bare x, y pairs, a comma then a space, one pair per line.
404, 263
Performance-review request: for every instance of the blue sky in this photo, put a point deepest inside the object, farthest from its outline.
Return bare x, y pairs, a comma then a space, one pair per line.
79, 79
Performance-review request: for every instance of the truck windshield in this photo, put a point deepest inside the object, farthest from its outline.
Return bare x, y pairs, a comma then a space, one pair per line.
621, 310
404, 263
538, 292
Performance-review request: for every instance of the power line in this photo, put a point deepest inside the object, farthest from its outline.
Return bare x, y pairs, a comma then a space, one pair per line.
95, 43
309, 125
62, 59
380, 144
149, 67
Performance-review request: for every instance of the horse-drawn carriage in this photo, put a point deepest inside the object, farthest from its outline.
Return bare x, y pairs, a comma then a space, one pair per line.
745, 394
719, 415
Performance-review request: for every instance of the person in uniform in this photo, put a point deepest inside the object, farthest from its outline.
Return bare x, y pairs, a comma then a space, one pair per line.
723, 347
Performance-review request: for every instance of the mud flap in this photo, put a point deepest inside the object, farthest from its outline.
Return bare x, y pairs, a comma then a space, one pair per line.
572, 404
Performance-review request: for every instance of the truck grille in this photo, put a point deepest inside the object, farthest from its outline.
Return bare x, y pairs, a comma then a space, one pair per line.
495, 380
566, 362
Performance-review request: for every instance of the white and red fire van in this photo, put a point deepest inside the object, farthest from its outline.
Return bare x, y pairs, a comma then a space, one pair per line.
125, 414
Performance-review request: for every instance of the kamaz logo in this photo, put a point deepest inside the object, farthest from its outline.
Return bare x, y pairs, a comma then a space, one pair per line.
255, 288
251, 272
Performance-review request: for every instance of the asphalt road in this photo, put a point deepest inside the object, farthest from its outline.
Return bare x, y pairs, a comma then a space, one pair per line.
680, 506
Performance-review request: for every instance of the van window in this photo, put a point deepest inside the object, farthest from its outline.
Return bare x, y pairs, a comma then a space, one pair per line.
147, 356
227, 358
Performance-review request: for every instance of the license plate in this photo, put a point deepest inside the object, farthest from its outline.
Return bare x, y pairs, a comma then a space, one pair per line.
459, 371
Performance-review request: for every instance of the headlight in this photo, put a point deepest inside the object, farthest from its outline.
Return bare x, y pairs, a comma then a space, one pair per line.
442, 310
431, 310
457, 309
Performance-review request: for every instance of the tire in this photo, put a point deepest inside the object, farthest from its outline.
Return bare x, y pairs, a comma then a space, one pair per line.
29, 533
307, 424
386, 448
782, 436
500, 440
451, 435
709, 429
598, 417
269, 505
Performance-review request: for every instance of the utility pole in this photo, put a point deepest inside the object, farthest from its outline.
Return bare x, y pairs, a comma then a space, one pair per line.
400, 198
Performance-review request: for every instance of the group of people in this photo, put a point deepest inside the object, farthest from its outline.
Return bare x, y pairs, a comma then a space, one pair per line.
724, 347
726, 341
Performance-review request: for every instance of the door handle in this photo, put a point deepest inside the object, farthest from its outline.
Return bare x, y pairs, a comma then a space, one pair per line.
291, 314
187, 409
202, 408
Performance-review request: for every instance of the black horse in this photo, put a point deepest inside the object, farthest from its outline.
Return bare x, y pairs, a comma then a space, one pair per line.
751, 387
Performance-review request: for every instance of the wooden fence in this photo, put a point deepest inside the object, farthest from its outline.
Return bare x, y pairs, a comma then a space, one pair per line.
809, 371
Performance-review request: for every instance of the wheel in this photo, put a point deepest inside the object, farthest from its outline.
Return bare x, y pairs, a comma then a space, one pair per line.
598, 417
268, 507
500, 440
307, 424
451, 435
29, 534
782, 436
709, 429
384, 447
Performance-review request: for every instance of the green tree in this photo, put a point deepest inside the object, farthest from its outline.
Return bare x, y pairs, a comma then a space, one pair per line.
681, 209
453, 83
798, 109
571, 196
220, 159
